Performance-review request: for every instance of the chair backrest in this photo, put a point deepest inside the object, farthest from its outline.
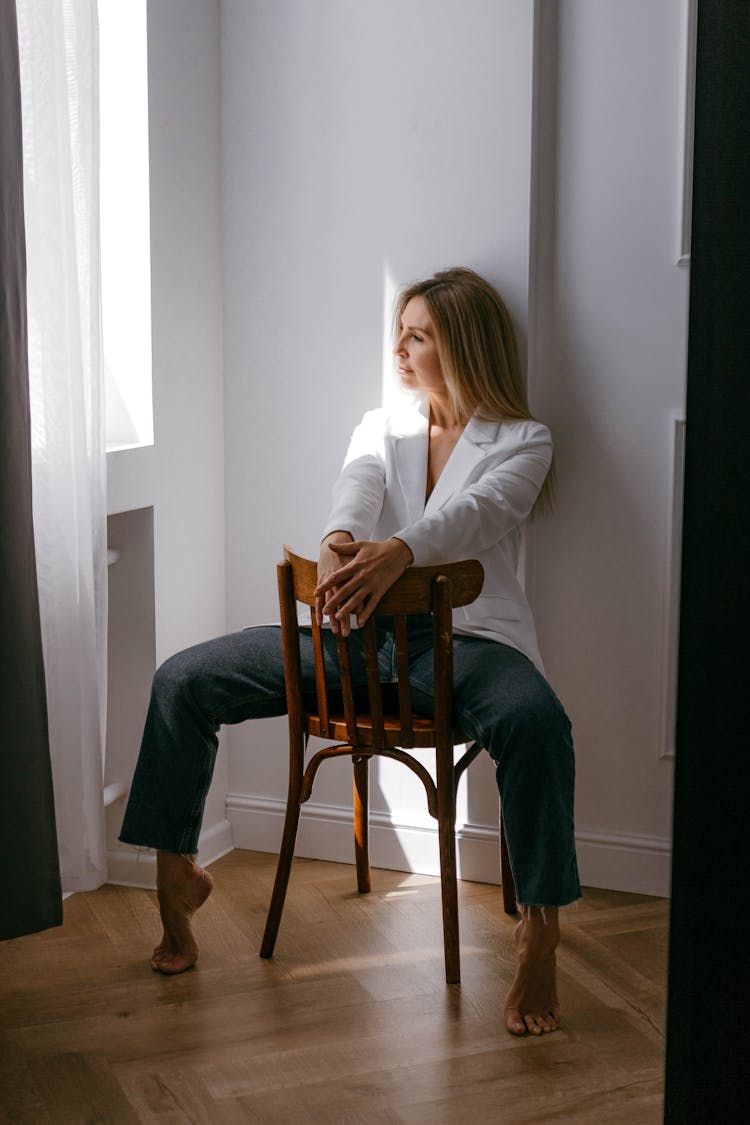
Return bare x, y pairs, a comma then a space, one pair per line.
420, 590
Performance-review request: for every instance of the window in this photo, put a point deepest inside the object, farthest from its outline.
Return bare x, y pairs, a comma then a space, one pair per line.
125, 226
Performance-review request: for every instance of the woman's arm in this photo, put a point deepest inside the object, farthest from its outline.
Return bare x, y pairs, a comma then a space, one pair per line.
359, 491
358, 495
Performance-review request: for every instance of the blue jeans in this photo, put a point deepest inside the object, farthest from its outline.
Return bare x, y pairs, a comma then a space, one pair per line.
500, 700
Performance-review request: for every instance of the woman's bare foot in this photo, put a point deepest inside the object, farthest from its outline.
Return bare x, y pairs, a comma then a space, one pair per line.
182, 886
532, 1006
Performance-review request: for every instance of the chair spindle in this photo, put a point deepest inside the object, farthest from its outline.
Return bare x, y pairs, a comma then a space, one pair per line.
350, 711
402, 666
320, 677
374, 696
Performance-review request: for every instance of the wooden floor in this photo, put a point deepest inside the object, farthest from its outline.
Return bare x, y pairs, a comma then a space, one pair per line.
350, 1022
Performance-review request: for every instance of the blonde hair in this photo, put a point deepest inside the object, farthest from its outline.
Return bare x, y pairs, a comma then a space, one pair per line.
478, 352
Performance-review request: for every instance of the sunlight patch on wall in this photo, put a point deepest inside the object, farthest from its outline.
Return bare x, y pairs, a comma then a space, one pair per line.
391, 392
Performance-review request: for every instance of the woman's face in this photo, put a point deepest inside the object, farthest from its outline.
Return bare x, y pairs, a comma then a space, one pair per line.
415, 350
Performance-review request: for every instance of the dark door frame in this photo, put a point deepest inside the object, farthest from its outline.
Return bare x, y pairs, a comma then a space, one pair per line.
707, 1034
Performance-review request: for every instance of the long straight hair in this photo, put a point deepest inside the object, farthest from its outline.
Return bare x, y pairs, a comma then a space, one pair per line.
478, 353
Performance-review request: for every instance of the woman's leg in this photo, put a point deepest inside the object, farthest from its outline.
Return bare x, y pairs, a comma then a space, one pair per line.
505, 704
225, 680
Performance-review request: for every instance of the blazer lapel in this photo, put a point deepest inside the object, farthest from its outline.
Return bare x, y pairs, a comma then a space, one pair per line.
468, 452
410, 458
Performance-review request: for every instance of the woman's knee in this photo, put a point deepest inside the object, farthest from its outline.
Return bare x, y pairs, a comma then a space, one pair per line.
533, 726
225, 680
178, 676
543, 715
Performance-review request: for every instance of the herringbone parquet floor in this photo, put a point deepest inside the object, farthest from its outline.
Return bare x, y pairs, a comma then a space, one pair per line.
350, 1022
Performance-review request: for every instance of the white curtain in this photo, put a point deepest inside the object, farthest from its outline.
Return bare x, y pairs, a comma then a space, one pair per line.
59, 94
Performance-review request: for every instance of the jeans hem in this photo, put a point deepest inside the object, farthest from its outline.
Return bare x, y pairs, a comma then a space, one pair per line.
160, 844
547, 905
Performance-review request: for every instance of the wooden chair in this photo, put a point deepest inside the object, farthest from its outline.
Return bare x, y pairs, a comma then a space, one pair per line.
376, 730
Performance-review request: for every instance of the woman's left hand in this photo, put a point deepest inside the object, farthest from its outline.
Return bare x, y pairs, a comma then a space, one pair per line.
361, 582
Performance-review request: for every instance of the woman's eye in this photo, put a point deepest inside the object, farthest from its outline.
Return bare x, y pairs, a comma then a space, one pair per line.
417, 338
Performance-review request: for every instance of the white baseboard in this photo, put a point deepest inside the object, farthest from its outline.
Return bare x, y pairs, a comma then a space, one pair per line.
639, 864
325, 832
129, 866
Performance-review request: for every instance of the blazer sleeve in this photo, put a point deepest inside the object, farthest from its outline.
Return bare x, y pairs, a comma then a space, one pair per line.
486, 509
359, 491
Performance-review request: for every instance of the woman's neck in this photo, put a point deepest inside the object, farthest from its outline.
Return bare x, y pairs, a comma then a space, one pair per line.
442, 414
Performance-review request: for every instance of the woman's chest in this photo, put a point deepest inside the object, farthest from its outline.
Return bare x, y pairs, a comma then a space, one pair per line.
440, 446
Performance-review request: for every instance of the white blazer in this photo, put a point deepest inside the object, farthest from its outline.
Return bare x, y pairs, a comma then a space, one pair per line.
475, 511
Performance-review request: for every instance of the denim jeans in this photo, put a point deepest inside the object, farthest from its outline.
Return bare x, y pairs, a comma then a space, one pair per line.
500, 700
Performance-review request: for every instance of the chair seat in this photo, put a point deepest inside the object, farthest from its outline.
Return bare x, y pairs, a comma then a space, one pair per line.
423, 727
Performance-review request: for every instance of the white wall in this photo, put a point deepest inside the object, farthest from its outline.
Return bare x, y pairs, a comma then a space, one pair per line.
369, 138
362, 145
182, 475
609, 350
361, 141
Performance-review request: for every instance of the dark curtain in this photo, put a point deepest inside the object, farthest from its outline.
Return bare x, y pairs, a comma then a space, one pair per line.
31, 898
708, 1059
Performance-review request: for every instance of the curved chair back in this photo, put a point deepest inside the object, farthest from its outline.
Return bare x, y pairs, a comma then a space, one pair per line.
420, 590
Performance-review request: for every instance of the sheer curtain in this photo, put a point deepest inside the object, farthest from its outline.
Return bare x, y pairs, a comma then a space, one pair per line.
59, 97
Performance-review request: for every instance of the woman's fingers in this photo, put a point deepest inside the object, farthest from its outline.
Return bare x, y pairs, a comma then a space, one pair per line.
335, 578
319, 610
352, 605
329, 568
357, 586
348, 548
366, 611
343, 591
359, 599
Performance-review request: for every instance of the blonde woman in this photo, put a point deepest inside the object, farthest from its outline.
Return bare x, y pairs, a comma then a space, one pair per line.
451, 474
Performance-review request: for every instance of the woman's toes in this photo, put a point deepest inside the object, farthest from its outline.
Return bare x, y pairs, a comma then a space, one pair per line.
518, 1024
161, 954
171, 964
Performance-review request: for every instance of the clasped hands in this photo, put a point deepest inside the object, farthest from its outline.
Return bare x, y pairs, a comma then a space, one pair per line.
354, 575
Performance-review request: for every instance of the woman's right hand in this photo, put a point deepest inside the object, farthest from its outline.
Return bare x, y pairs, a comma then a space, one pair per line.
328, 563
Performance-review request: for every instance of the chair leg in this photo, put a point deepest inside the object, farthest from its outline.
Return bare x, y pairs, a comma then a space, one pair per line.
361, 763
449, 891
286, 853
446, 802
510, 904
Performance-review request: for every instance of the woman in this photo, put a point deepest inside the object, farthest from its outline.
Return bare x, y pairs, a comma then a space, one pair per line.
452, 475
